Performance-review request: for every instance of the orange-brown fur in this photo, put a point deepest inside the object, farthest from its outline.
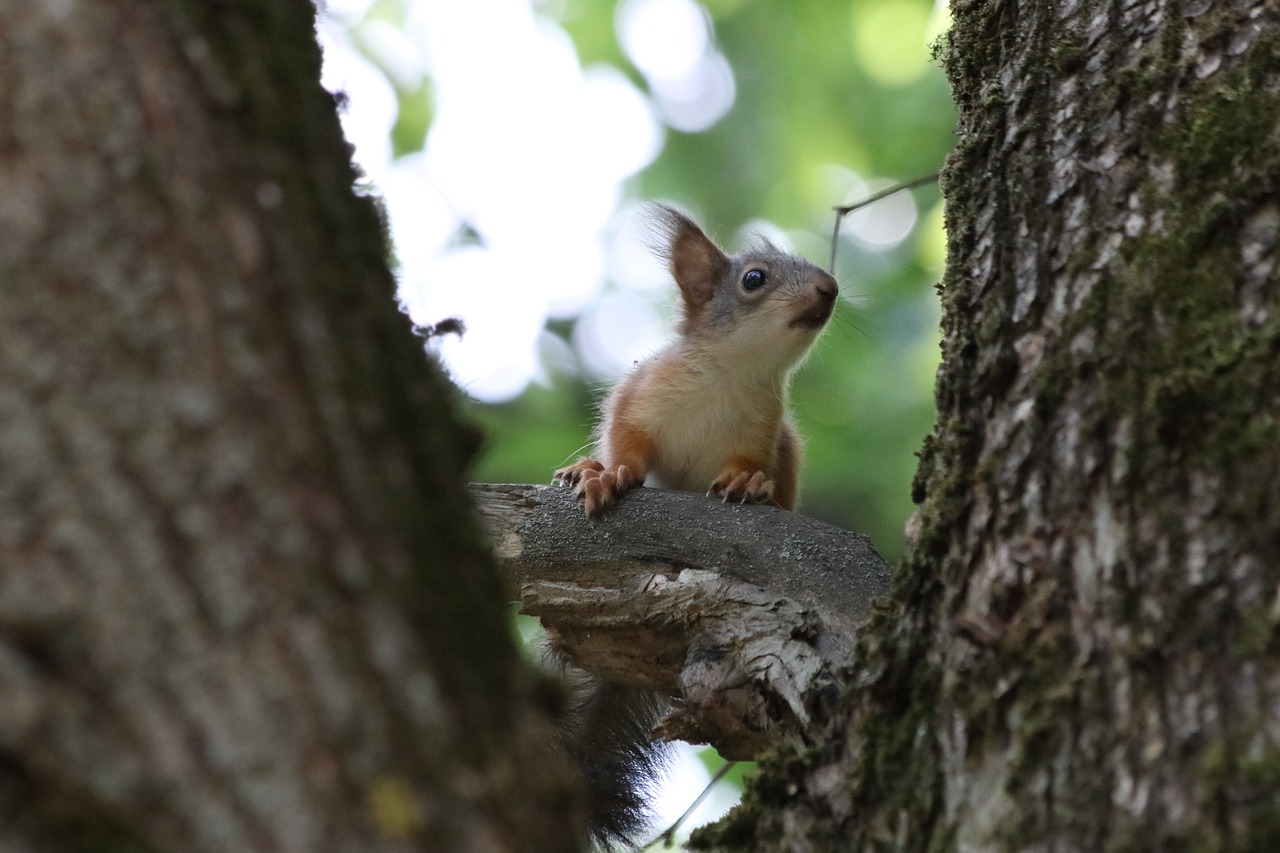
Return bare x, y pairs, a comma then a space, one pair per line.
709, 411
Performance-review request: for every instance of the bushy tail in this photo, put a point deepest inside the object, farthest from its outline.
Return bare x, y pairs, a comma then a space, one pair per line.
606, 734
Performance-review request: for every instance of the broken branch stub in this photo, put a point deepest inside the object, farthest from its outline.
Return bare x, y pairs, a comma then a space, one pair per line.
744, 615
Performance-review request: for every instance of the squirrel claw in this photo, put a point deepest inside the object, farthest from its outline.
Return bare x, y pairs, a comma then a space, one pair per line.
572, 475
742, 487
597, 487
596, 496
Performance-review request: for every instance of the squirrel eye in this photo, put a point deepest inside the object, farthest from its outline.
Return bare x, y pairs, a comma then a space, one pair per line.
753, 280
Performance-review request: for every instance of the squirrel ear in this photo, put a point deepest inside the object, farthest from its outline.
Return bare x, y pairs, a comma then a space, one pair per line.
697, 263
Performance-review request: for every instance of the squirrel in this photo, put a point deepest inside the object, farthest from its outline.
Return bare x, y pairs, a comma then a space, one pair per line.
708, 412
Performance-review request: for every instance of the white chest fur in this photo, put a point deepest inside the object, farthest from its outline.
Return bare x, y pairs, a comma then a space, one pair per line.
704, 417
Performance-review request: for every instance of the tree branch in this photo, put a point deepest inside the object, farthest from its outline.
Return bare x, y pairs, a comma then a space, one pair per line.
744, 614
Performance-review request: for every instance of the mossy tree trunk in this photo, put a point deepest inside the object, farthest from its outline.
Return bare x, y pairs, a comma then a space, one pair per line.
1082, 650
243, 604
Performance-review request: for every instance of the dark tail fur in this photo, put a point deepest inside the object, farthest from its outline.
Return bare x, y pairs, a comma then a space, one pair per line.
606, 734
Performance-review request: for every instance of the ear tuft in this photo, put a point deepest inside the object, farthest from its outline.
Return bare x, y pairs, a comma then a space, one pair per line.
696, 262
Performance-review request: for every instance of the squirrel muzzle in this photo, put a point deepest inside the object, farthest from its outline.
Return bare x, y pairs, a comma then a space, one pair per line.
821, 304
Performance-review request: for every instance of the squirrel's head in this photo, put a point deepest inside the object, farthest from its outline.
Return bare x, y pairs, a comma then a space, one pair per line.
763, 305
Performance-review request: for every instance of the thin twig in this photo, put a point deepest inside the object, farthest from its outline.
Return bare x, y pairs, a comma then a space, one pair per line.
669, 835
842, 212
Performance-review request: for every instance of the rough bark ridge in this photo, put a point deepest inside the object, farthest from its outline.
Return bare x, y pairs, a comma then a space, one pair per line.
242, 604
1083, 650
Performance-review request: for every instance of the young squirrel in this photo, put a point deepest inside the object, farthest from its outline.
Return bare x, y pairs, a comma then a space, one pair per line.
707, 412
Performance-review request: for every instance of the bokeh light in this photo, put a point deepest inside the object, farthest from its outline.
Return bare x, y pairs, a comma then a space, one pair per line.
500, 218
891, 40
669, 42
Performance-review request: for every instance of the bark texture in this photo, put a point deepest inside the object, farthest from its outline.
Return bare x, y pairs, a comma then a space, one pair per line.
745, 616
1084, 652
242, 601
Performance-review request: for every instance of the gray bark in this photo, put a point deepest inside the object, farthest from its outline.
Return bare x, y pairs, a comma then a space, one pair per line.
1083, 653
243, 604
746, 615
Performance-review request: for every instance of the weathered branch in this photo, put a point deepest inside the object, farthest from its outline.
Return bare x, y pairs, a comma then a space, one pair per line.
744, 614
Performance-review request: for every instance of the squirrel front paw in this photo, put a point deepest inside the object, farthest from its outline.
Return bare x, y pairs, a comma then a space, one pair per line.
742, 487
596, 486
571, 475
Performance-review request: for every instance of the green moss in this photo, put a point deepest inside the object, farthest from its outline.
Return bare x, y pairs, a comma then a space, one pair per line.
1197, 369
898, 768
781, 777
1225, 129
1235, 780
1068, 53
1255, 631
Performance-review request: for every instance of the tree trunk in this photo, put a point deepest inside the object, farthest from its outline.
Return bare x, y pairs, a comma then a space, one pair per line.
242, 601
1083, 649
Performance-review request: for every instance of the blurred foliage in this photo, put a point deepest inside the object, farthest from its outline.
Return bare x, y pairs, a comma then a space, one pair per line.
824, 91
807, 100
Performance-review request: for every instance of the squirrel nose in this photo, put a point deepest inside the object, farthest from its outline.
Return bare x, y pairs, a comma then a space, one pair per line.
827, 288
